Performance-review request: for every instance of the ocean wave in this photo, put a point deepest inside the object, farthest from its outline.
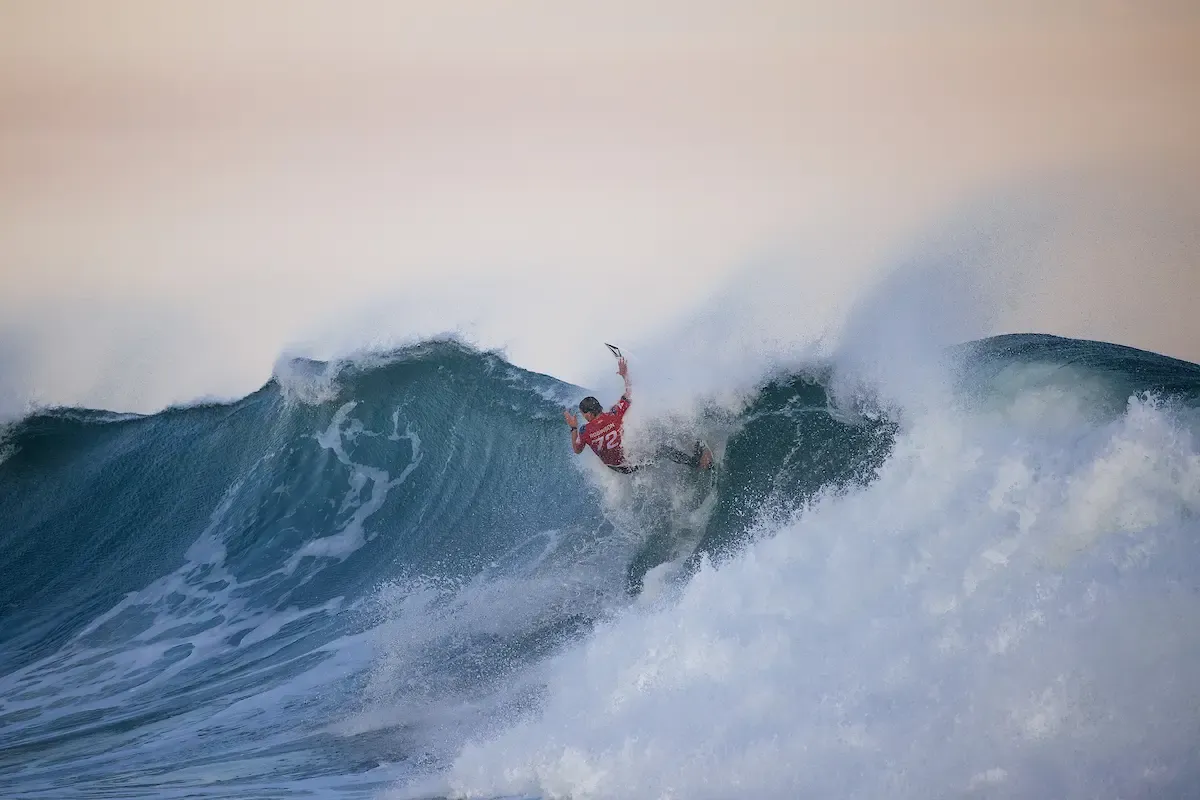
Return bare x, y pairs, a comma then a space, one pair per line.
388, 575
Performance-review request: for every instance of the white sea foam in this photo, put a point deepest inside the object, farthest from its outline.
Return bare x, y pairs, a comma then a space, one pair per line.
446, 663
995, 613
306, 381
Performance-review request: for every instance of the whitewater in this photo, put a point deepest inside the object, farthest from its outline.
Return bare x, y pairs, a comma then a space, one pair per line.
388, 576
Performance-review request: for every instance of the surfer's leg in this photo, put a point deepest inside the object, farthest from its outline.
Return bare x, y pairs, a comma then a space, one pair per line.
699, 458
678, 456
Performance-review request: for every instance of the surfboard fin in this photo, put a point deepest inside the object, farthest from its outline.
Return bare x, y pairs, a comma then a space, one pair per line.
616, 351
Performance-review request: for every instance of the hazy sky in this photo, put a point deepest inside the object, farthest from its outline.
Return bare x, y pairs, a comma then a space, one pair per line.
188, 189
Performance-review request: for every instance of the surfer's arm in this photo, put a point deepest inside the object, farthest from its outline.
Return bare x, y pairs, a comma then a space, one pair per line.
576, 441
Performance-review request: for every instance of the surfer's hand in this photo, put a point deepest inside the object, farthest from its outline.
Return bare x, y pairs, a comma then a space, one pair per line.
570, 418
622, 367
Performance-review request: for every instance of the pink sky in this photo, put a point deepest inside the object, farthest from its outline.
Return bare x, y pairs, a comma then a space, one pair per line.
188, 189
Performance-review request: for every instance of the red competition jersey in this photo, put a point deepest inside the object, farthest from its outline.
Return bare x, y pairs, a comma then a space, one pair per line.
603, 434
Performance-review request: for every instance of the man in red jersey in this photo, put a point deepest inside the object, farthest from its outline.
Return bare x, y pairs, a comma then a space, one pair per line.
602, 432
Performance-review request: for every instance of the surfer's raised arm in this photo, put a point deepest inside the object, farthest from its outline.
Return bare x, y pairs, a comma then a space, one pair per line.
623, 371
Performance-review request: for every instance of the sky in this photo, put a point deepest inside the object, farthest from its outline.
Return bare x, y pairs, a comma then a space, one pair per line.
189, 191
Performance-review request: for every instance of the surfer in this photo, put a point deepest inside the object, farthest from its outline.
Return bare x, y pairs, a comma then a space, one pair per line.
602, 431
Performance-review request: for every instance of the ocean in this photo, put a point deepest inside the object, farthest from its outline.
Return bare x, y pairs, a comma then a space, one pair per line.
389, 577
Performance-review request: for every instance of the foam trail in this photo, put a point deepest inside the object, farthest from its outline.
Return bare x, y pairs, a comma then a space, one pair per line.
352, 535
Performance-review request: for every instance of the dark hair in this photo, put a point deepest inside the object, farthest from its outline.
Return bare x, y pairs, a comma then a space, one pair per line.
590, 405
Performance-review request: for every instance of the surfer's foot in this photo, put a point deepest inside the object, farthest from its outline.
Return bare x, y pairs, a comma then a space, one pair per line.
706, 459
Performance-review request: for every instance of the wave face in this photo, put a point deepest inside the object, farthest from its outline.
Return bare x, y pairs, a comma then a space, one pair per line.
391, 578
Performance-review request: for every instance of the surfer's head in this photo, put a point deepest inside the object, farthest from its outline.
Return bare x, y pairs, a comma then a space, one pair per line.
591, 408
